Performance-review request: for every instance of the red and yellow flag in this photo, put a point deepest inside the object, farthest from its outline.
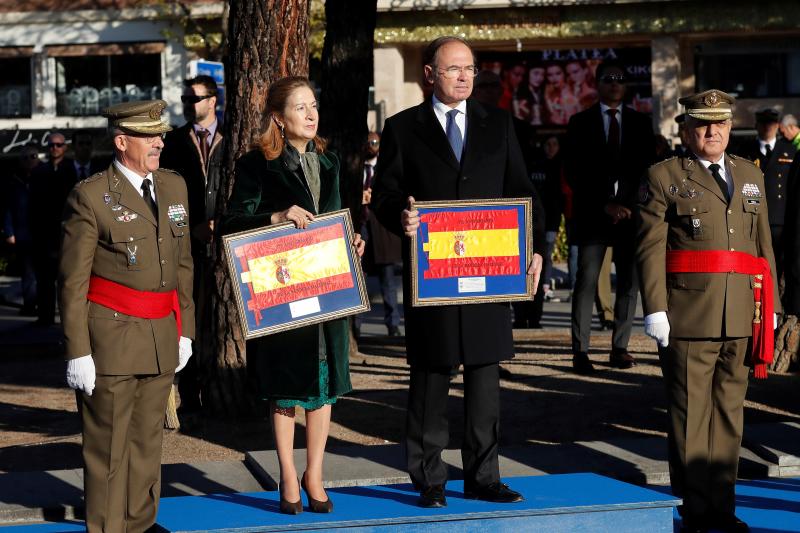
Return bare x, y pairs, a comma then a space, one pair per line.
472, 243
294, 267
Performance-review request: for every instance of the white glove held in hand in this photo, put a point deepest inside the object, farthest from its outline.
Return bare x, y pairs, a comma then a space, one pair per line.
81, 374
184, 352
656, 326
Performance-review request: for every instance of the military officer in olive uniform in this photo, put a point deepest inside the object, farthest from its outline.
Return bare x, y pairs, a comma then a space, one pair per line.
703, 247
125, 281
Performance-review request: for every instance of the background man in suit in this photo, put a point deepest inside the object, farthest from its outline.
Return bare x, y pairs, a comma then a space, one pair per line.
703, 224
50, 183
608, 148
83, 163
126, 248
195, 152
773, 154
450, 147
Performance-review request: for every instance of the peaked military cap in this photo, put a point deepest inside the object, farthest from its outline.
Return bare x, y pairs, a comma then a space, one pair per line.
767, 115
143, 117
711, 105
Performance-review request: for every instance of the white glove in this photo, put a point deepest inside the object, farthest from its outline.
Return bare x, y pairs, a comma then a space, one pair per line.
656, 326
184, 352
81, 374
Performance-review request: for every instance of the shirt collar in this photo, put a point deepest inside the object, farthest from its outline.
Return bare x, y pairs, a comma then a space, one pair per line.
443, 108
135, 179
706, 163
373, 161
212, 129
604, 108
771, 143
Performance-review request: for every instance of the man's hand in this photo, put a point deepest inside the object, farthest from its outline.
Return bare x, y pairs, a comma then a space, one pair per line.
656, 326
535, 270
204, 232
81, 374
409, 218
184, 352
295, 214
11, 239
617, 212
366, 196
359, 244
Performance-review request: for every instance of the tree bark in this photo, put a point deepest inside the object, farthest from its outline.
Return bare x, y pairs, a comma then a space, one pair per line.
267, 40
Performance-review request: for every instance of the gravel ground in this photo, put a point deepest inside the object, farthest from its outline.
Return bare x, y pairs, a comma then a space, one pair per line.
542, 401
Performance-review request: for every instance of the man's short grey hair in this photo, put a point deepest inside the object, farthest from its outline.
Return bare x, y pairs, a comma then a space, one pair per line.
789, 120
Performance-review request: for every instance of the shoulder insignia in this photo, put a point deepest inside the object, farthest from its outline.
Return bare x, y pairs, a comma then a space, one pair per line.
739, 158
90, 179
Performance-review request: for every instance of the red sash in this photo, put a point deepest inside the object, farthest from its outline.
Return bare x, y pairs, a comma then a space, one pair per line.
142, 304
718, 261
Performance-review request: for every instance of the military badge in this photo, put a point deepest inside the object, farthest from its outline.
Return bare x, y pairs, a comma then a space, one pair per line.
132, 254
711, 99
673, 189
695, 222
282, 271
127, 216
176, 213
459, 247
116, 207
750, 190
106, 198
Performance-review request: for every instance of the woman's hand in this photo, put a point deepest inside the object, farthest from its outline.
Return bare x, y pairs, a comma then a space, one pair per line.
298, 215
359, 244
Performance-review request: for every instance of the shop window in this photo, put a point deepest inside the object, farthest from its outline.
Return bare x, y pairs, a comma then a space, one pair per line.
749, 70
85, 85
15, 87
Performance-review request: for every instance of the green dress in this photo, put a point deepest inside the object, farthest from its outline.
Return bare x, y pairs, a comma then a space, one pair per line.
309, 164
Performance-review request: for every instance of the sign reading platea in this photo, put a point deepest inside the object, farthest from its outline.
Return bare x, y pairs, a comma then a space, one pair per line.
579, 53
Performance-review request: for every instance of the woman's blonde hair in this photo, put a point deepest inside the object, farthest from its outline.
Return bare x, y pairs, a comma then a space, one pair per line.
272, 140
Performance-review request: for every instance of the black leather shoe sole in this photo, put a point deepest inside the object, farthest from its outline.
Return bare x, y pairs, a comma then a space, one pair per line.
432, 497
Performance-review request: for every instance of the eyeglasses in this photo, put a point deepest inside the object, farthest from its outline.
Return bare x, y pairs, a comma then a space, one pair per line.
611, 78
56, 145
454, 71
194, 98
374, 142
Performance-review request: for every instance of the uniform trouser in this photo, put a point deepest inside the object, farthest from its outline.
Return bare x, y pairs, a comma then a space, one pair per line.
602, 296
706, 381
123, 424
590, 260
427, 429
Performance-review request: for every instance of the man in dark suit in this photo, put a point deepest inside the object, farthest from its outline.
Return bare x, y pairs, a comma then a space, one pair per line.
195, 152
447, 148
83, 164
773, 154
50, 183
608, 148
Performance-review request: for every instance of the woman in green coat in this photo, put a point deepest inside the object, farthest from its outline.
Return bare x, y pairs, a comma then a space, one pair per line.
291, 177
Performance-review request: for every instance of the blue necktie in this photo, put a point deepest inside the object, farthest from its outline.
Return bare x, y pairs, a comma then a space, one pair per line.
454, 134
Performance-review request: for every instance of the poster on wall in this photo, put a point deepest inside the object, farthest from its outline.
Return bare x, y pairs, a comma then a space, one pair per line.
547, 87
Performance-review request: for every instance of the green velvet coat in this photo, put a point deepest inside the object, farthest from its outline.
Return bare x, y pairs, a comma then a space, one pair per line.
286, 364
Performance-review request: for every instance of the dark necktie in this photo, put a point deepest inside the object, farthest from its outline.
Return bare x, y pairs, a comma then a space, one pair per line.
148, 197
82, 175
723, 185
454, 134
368, 174
202, 137
613, 131
767, 152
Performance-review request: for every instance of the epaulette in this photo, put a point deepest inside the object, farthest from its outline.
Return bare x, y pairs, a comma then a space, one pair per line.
663, 161
738, 158
93, 177
168, 171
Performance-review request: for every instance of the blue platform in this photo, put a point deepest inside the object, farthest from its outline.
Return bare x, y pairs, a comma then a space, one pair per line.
557, 503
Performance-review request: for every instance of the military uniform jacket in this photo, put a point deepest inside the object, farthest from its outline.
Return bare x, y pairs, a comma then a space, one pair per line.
776, 174
109, 231
416, 160
682, 208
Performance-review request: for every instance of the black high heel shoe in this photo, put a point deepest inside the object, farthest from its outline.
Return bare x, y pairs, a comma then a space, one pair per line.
288, 507
316, 506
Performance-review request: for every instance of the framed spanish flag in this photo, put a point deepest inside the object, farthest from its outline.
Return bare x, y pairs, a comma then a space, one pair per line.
472, 251
284, 277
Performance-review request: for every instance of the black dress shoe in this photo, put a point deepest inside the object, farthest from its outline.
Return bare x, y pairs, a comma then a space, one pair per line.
730, 523
394, 331
432, 497
493, 492
621, 359
581, 363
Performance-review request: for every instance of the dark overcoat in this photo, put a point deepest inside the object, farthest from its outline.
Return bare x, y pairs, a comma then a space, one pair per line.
287, 364
416, 160
776, 173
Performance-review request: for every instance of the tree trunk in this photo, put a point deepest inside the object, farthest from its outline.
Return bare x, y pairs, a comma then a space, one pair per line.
787, 339
267, 40
347, 69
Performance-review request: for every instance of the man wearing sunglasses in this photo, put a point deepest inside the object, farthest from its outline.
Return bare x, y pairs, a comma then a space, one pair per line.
128, 315
608, 148
50, 183
195, 152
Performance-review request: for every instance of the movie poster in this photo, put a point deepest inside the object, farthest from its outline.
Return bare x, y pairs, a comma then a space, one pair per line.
547, 87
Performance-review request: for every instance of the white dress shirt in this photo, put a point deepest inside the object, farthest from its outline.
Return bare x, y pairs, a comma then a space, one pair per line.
762, 145
137, 180
722, 172
440, 110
